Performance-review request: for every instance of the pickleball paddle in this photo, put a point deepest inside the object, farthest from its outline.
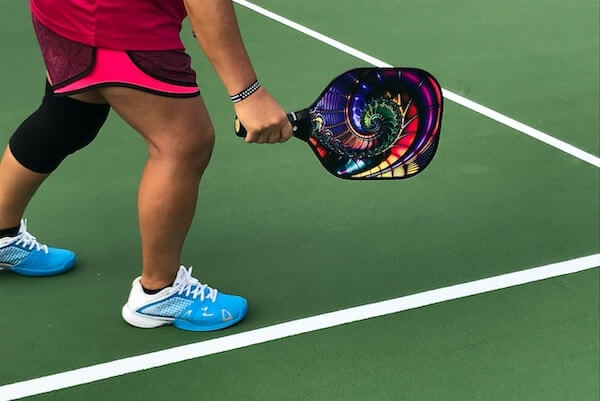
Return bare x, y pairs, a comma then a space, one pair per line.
372, 123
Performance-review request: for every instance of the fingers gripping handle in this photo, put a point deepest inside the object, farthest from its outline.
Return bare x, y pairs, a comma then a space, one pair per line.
300, 125
240, 130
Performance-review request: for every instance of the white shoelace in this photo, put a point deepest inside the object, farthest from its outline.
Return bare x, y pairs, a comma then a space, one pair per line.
28, 240
189, 285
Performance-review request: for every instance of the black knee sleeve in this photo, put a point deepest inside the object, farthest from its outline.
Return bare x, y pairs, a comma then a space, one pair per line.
59, 127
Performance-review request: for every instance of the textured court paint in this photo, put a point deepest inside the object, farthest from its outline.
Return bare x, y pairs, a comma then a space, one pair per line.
306, 325
272, 226
537, 342
477, 50
469, 104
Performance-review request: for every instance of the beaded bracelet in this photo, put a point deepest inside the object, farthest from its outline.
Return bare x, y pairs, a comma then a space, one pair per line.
238, 97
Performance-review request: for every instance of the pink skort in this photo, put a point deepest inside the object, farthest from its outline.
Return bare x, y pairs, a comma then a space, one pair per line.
75, 67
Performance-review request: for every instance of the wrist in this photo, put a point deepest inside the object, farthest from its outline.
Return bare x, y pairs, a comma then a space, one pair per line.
246, 93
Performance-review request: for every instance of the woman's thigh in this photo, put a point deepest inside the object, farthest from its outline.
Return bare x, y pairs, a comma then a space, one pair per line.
168, 124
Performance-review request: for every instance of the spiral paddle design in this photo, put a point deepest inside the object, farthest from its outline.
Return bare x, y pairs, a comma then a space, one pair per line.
377, 123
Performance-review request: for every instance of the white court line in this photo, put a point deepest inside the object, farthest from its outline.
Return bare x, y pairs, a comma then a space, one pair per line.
258, 336
469, 104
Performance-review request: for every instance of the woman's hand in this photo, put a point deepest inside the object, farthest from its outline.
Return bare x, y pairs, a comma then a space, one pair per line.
263, 118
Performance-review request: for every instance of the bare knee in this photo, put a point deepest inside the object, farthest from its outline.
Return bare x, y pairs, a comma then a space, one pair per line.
190, 150
178, 131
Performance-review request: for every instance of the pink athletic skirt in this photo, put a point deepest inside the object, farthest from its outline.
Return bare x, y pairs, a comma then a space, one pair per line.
75, 67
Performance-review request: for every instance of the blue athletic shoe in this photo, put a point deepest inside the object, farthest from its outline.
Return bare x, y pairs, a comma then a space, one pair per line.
24, 255
188, 305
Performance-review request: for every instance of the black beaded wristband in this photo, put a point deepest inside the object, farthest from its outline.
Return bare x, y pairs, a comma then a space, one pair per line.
238, 97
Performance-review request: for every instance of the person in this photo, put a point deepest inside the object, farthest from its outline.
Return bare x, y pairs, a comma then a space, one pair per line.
128, 56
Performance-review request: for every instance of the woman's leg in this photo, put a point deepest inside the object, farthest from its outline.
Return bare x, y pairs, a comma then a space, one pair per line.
180, 138
18, 184
59, 127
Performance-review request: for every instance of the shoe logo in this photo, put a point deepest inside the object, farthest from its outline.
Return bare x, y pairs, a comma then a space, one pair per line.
204, 312
226, 315
187, 314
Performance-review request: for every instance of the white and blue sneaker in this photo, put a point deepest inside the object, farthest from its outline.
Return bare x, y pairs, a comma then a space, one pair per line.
187, 304
24, 255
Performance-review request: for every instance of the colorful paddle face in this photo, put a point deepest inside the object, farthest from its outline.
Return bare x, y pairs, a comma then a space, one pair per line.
373, 123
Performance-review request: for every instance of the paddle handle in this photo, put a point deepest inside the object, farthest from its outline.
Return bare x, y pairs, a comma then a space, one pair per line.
300, 120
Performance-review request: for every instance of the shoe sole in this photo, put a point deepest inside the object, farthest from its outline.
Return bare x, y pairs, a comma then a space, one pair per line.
43, 271
149, 322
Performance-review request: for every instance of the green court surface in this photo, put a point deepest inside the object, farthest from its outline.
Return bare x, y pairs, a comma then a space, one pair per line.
273, 226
